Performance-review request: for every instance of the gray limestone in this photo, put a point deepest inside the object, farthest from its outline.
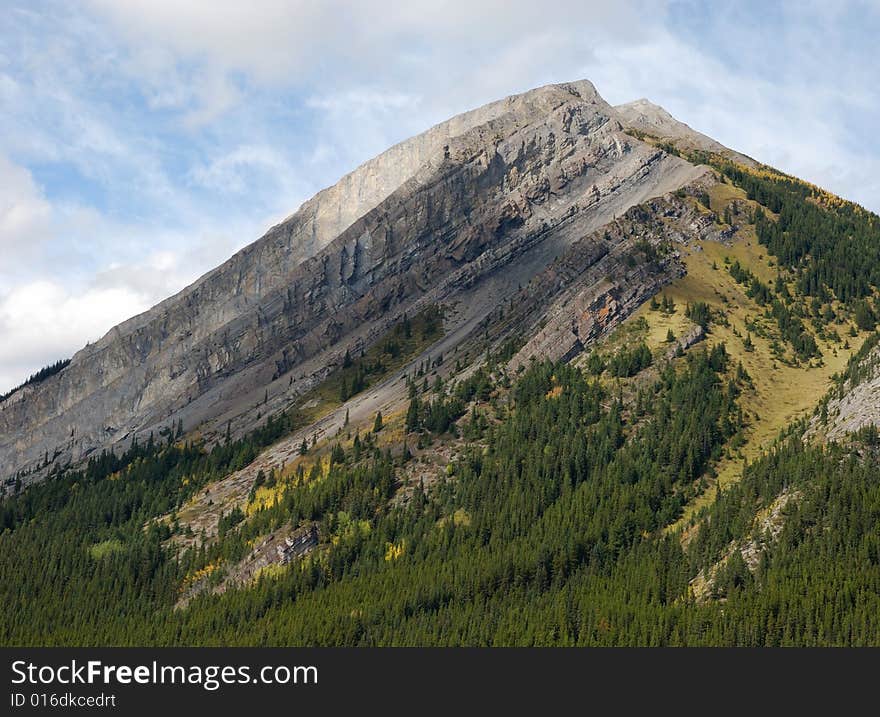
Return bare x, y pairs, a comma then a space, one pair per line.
464, 214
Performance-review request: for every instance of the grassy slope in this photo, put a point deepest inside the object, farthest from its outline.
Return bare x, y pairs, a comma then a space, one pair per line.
782, 393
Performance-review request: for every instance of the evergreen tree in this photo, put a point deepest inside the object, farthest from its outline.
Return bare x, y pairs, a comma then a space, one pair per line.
412, 414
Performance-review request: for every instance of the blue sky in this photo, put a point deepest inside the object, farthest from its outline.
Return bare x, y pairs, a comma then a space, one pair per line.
143, 142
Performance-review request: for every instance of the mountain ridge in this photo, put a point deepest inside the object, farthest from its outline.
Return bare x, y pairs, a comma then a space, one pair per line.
130, 391
644, 116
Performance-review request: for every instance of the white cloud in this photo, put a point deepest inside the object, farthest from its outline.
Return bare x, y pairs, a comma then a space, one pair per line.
199, 93
361, 101
41, 322
25, 215
237, 170
282, 40
455, 53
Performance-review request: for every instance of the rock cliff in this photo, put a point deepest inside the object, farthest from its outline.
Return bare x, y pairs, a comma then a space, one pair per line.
465, 213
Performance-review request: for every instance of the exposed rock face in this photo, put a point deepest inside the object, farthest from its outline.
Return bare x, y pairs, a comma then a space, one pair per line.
466, 212
767, 528
855, 404
691, 338
652, 119
278, 548
599, 281
604, 277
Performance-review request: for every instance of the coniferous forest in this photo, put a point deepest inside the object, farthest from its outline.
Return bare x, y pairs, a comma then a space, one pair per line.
560, 538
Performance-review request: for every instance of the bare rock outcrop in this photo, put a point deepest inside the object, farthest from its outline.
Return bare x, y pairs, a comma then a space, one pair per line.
467, 213
275, 550
691, 338
604, 277
644, 116
853, 404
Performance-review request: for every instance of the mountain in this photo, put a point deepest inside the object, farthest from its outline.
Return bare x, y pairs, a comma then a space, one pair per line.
463, 213
550, 373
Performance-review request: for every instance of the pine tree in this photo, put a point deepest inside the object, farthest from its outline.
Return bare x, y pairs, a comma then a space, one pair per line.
864, 316
412, 414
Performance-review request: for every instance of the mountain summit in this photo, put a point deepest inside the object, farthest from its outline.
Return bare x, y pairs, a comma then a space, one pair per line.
464, 213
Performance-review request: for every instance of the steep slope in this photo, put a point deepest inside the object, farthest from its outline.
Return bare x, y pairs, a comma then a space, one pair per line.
644, 116
465, 212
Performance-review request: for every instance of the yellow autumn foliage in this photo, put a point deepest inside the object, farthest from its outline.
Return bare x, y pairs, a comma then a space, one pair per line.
554, 392
200, 574
394, 550
273, 570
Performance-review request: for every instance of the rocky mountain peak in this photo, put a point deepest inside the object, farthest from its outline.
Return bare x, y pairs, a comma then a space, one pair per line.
463, 214
645, 116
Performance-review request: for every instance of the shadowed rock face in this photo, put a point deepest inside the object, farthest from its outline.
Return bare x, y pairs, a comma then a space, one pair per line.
464, 213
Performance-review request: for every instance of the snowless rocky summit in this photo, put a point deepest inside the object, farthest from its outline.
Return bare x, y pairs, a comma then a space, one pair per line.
465, 214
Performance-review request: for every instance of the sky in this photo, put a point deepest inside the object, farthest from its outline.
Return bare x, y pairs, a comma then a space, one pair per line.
143, 142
